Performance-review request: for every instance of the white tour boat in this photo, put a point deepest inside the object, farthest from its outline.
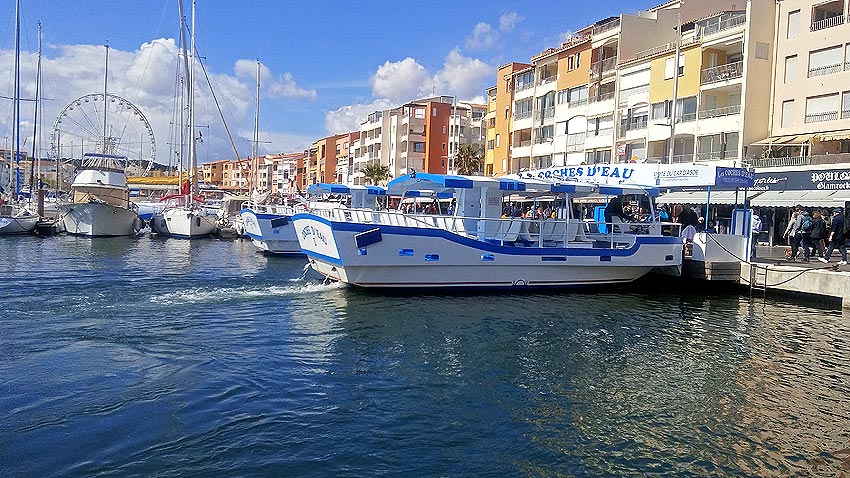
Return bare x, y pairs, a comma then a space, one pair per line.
475, 247
270, 226
101, 205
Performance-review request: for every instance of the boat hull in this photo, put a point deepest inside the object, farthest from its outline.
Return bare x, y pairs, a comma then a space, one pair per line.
182, 223
17, 225
98, 220
273, 233
386, 256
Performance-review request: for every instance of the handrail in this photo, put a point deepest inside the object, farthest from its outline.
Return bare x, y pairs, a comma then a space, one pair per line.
729, 71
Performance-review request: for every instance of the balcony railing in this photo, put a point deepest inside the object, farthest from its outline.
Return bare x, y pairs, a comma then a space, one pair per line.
523, 86
827, 23
599, 68
726, 24
845, 114
548, 79
826, 70
799, 160
640, 90
575, 142
726, 72
605, 27
718, 112
545, 113
821, 117
601, 132
713, 155
520, 115
523, 144
601, 97
577, 103
633, 124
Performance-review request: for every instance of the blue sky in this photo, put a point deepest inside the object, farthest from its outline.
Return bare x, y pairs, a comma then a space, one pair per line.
326, 65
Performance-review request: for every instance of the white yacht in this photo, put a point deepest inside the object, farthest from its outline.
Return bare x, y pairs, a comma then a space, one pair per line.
101, 203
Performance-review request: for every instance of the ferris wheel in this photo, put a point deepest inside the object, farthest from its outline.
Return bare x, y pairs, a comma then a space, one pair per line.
108, 124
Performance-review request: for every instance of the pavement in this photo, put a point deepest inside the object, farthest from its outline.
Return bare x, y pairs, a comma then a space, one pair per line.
779, 255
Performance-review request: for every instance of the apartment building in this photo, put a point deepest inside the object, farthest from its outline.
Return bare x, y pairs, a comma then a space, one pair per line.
606, 94
213, 172
810, 114
423, 135
344, 155
499, 120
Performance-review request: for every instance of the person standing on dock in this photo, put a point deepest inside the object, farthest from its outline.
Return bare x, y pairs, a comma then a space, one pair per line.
798, 237
755, 223
837, 236
817, 234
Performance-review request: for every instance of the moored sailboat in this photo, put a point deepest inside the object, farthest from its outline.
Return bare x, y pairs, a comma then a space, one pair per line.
15, 218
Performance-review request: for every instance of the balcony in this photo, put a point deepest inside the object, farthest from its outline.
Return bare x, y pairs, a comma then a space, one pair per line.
600, 132
845, 114
821, 117
577, 103
547, 80
725, 24
601, 97
828, 22
826, 70
575, 142
729, 71
799, 160
598, 69
521, 115
633, 124
523, 87
718, 112
716, 155
606, 27
547, 113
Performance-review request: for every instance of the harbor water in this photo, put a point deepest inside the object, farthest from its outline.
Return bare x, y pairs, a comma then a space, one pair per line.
161, 357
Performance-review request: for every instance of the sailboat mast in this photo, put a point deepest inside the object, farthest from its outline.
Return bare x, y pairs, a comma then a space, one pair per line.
255, 151
16, 108
35, 142
192, 152
105, 82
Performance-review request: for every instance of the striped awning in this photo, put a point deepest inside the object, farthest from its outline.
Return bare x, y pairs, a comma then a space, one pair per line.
834, 135
789, 140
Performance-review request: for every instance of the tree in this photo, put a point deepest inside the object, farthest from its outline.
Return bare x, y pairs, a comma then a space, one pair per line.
469, 159
376, 172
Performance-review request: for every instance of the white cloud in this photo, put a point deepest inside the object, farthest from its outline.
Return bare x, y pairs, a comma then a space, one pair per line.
400, 81
484, 36
509, 21
463, 76
282, 86
348, 118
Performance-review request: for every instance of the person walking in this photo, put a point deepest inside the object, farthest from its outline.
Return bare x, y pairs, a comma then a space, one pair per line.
755, 223
817, 234
797, 237
837, 236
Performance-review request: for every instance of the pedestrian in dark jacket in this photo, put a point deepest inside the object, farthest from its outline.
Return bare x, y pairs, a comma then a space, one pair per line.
837, 236
817, 235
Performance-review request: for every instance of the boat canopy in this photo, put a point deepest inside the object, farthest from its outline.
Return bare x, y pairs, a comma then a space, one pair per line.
441, 183
327, 188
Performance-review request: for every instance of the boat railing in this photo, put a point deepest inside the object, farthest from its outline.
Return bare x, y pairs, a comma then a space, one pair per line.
520, 232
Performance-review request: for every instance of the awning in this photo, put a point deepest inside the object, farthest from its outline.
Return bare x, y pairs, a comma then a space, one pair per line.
806, 198
790, 140
834, 135
701, 197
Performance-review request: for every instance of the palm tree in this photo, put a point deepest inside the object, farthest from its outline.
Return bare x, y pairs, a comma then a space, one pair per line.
469, 159
376, 172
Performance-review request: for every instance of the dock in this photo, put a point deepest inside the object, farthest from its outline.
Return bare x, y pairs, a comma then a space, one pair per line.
772, 272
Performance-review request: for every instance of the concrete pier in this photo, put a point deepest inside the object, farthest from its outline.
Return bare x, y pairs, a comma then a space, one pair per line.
814, 278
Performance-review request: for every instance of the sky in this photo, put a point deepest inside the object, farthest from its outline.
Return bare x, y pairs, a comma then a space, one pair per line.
324, 65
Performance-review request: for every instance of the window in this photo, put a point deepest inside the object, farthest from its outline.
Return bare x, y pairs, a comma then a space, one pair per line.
793, 24
669, 65
490, 144
418, 147
659, 110
790, 68
822, 108
498, 140
444, 146
788, 113
444, 129
826, 61
762, 51
845, 105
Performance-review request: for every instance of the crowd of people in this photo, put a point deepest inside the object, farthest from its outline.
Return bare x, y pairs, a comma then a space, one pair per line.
818, 234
